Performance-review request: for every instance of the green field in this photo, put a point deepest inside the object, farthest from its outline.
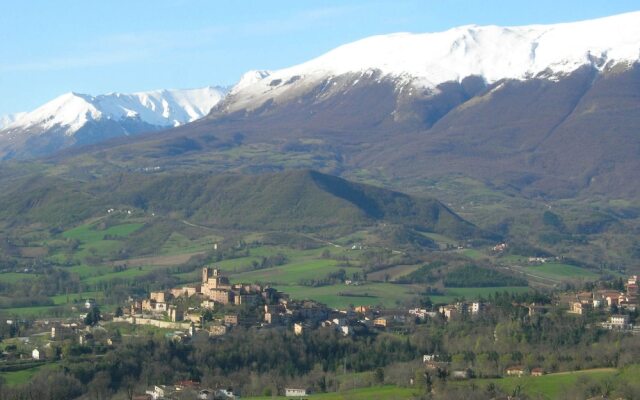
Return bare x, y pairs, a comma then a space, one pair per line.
86, 271
550, 386
178, 243
88, 233
19, 377
473, 293
441, 239
62, 298
127, 274
474, 254
101, 273
386, 294
558, 271
294, 272
15, 277
93, 242
372, 393
29, 311
392, 273
59, 304
300, 265
236, 265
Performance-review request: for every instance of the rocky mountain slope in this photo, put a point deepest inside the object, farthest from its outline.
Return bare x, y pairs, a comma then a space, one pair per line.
546, 110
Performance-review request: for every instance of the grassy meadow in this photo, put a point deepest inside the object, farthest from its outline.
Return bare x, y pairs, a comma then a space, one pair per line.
99, 258
371, 393
550, 386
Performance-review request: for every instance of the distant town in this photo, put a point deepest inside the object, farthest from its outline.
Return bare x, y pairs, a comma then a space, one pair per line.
214, 307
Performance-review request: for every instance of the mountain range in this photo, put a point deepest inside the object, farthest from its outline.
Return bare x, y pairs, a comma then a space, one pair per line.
418, 63
77, 119
546, 110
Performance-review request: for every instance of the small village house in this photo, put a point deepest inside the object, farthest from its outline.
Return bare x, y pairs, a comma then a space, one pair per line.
291, 392
231, 320
537, 372
461, 374
516, 370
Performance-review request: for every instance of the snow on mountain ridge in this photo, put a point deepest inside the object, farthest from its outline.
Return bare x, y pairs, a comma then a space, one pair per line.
71, 111
7, 120
249, 78
492, 52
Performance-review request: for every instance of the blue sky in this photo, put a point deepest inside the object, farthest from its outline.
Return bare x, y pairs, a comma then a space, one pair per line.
51, 47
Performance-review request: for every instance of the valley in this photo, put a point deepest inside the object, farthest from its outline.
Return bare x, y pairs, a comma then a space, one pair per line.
444, 215
129, 249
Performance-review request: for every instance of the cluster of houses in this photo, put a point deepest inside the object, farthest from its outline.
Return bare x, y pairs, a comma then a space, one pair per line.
434, 364
625, 300
500, 247
191, 389
183, 309
214, 288
45, 345
186, 389
609, 300
462, 308
166, 309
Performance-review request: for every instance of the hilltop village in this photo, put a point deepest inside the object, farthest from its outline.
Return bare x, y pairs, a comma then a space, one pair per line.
215, 307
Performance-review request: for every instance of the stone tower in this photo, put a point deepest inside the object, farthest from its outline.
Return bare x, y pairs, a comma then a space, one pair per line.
206, 273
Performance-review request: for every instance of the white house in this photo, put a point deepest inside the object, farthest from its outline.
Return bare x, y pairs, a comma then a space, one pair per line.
205, 394
345, 330
429, 357
158, 392
289, 392
477, 308
36, 355
619, 321
226, 394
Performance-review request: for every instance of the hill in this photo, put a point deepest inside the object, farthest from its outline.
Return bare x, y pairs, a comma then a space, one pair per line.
301, 200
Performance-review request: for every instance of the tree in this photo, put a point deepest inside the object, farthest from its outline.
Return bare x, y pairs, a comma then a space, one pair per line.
99, 386
379, 375
119, 312
93, 317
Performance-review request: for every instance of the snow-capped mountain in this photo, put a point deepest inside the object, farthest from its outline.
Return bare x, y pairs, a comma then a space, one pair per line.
7, 120
75, 118
427, 60
548, 109
164, 108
